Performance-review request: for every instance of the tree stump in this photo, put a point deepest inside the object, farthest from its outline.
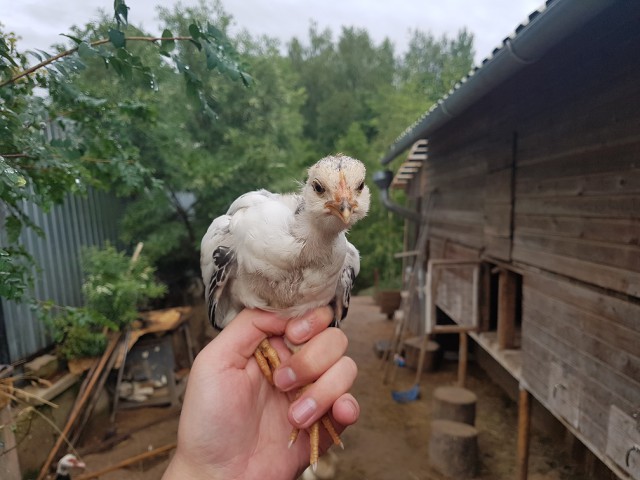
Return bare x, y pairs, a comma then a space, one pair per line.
412, 353
453, 449
454, 403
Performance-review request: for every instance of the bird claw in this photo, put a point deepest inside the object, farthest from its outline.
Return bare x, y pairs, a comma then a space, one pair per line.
268, 360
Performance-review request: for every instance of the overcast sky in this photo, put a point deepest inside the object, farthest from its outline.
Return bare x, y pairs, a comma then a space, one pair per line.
39, 22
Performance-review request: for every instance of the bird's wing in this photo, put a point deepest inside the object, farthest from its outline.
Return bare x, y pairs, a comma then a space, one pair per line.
350, 270
239, 233
251, 199
218, 264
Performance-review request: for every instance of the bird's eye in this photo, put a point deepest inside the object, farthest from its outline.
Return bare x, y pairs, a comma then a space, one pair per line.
319, 189
361, 186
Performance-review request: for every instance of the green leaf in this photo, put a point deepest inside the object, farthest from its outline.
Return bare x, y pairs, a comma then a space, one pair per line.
212, 56
215, 32
116, 37
86, 51
120, 11
122, 68
14, 227
75, 39
167, 46
194, 30
247, 79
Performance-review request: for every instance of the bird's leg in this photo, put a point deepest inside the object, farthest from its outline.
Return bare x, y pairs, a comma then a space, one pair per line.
268, 360
314, 435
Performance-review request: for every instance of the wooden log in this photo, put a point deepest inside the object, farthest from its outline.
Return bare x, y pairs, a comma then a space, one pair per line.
453, 449
454, 403
412, 349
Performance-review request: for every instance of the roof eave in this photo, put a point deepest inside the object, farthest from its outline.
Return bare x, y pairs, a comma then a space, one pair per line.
526, 45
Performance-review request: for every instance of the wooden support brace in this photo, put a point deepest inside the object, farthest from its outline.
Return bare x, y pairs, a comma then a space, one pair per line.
507, 292
524, 428
462, 359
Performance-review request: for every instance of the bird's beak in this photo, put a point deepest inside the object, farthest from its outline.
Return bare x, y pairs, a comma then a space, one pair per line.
341, 208
343, 204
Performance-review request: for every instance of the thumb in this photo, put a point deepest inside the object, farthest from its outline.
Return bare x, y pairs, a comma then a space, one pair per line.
235, 345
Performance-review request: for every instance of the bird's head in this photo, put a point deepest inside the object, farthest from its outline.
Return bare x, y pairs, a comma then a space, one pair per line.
67, 463
336, 190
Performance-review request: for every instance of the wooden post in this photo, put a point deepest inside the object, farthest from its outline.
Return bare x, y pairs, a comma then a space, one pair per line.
524, 427
78, 406
9, 462
507, 291
462, 359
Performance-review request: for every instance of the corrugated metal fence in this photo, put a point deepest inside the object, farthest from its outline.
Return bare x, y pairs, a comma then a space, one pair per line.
79, 221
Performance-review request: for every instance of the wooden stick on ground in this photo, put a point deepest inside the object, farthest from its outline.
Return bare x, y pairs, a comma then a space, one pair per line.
129, 461
77, 409
76, 433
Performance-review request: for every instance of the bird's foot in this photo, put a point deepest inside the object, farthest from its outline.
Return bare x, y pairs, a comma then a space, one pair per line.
314, 436
268, 360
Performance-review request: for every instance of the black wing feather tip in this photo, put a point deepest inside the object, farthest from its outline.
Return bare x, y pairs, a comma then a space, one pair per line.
222, 258
340, 306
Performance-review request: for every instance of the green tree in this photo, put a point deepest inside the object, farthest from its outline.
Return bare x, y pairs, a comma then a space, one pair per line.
95, 146
253, 141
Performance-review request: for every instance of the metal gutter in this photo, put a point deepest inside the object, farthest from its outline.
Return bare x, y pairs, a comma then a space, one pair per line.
530, 41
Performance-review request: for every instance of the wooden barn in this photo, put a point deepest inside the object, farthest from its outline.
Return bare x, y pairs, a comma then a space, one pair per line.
525, 180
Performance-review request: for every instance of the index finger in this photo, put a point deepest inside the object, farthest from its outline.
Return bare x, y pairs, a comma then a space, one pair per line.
235, 345
300, 330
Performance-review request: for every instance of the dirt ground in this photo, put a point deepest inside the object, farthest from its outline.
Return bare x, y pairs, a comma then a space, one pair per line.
389, 442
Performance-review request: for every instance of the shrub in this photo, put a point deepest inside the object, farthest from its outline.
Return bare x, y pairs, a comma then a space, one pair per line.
116, 286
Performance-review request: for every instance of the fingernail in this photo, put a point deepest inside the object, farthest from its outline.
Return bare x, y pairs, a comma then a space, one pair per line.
284, 378
353, 407
299, 329
303, 410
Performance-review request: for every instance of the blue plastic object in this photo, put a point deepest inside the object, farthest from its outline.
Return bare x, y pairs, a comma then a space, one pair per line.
407, 396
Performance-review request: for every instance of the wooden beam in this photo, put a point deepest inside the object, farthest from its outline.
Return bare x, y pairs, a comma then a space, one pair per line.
413, 164
524, 429
462, 359
507, 298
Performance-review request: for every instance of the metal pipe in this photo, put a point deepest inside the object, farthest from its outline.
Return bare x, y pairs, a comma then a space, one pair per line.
383, 180
404, 212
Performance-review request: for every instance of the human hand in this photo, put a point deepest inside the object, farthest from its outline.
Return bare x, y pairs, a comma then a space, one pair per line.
235, 425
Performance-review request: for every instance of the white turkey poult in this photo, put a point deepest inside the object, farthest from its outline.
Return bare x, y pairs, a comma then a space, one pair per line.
65, 466
287, 254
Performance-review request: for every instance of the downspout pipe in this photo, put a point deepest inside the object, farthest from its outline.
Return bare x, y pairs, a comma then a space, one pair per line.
383, 180
543, 31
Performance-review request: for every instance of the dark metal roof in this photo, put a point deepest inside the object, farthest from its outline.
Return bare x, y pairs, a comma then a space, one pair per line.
544, 28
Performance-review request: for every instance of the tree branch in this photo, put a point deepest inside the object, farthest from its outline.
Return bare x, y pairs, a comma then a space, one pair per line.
71, 51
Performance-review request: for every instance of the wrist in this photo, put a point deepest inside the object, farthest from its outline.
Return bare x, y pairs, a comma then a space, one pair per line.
181, 468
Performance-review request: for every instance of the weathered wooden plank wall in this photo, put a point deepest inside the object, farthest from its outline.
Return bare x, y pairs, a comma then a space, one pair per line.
582, 353
543, 176
577, 209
